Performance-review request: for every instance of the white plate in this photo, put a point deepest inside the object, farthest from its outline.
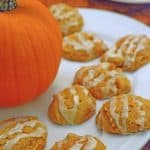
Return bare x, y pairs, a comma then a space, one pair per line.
109, 26
133, 1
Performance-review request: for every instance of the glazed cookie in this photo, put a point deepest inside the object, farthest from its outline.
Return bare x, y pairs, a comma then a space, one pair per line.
76, 142
103, 80
69, 18
82, 46
124, 114
73, 105
22, 133
130, 52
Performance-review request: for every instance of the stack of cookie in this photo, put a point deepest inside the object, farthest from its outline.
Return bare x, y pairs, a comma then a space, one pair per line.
122, 113
77, 45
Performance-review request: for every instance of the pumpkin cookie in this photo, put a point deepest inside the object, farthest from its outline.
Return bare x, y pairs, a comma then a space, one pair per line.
73, 105
103, 80
130, 52
69, 18
76, 142
24, 133
124, 114
82, 46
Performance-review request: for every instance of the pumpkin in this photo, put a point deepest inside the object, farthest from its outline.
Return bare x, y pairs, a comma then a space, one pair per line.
50, 2
75, 3
30, 50
45, 2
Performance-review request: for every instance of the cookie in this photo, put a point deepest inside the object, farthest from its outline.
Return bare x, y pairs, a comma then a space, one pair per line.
68, 17
76, 142
124, 114
71, 106
83, 46
22, 133
130, 52
103, 80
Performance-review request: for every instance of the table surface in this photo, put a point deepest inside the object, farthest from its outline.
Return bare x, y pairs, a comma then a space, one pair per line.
140, 12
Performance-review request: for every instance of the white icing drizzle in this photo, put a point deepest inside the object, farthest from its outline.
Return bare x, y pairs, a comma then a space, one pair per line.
141, 119
95, 81
90, 145
62, 11
136, 45
104, 65
92, 79
89, 81
110, 84
76, 146
86, 92
130, 47
91, 70
113, 113
71, 22
113, 53
124, 114
68, 16
18, 128
73, 91
81, 43
116, 116
38, 133
89, 77
83, 69
114, 73
69, 114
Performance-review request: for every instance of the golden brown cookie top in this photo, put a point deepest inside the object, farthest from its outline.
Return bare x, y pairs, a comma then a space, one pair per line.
91, 70
70, 100
63, 11
128, 47
103, 80
93, 75
83, 41
75, 142
67, 16
73, 105
15, 129
124, 112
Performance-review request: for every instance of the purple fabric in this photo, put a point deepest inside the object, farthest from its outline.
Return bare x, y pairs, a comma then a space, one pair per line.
147, 146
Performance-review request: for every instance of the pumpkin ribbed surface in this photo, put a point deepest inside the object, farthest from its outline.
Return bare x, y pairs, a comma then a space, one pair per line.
30, 52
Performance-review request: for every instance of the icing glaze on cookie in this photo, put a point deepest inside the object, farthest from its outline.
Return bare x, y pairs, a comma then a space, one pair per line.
81, 41
117, 117
19, 127
141, 119
128, 49
62, 11
15, 131
37, 133
91, 143
69, 113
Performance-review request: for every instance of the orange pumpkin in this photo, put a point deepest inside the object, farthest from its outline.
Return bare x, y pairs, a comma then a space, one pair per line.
30, 51
75, 3
45, 2
49, 2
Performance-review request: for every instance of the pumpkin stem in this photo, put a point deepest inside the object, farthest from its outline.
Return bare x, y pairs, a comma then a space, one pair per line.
7, 5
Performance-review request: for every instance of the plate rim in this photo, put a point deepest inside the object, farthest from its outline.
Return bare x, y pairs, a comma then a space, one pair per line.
132, 2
